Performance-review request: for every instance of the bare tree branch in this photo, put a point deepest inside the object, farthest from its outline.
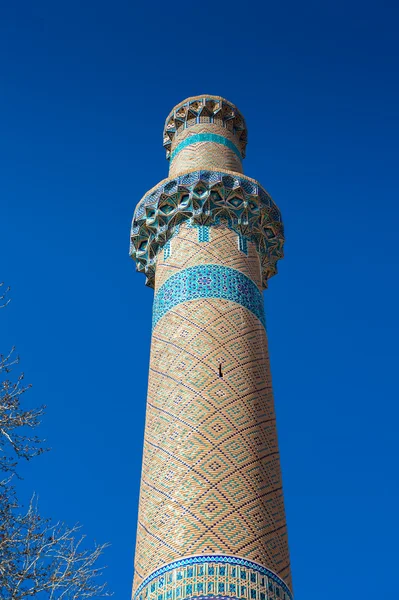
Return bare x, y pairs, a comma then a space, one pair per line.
37, 557
15, 421
3, 296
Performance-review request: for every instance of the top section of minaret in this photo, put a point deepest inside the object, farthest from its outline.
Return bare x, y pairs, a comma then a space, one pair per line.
205, 132
205, 139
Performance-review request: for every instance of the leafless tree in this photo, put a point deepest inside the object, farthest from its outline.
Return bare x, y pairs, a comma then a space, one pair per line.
42, 559
37, 557
3, 295
16, 423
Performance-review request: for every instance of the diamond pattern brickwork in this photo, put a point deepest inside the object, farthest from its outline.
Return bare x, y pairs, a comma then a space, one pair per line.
196, 148
211, 481
211, 514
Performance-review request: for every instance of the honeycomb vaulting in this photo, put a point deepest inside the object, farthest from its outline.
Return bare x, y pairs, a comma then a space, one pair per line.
211, 516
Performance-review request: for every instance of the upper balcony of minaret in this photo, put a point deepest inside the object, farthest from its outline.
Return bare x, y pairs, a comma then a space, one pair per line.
205, 132
205, 139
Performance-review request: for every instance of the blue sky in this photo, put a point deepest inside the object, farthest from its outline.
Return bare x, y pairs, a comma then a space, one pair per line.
85, 89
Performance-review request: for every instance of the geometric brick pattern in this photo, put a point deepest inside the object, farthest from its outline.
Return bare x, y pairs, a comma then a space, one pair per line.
197, 148
211, 520
211, 479
205, 137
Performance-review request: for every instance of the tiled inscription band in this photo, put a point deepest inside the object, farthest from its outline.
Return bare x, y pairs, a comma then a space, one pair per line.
213, 576
208, 281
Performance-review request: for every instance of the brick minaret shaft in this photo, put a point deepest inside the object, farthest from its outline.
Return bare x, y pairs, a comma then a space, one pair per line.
211, 516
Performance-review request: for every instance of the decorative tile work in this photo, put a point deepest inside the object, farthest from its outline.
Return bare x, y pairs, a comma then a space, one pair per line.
213, 575
205, 109
211, 515
207, 198
208, 281
204, 154
188, 251
166, 250
211, 477
205, 137
203, 233
243, 244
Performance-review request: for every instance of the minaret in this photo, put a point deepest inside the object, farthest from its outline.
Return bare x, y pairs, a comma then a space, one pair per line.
211, 517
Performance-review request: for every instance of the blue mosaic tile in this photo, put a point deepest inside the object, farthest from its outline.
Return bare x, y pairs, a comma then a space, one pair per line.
218, 560
205, 137
208, 281
203, 233
166, 250
243, 244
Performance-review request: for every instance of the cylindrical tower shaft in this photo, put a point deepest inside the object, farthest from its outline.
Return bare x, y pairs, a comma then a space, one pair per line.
211, 516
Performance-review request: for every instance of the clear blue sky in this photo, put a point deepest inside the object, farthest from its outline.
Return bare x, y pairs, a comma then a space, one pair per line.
85, 89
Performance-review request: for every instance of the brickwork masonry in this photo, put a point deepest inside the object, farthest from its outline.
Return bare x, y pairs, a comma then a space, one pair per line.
211, 520
211, 479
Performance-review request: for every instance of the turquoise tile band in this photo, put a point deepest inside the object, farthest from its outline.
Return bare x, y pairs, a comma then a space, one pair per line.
208, 281
205, 137
235, 578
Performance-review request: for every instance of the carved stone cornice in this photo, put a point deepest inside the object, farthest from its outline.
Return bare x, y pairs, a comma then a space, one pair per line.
207, 198
205, 109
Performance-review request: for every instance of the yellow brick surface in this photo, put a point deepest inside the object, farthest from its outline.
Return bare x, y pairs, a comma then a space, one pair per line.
211, 480
204, 155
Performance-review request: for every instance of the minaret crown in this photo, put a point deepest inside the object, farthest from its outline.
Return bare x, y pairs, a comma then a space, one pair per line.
205, 139
205, 132
205, 109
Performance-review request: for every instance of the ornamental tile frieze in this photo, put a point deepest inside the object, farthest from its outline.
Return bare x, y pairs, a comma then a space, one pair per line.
208, 281
204, 109
217, 576
207, 198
